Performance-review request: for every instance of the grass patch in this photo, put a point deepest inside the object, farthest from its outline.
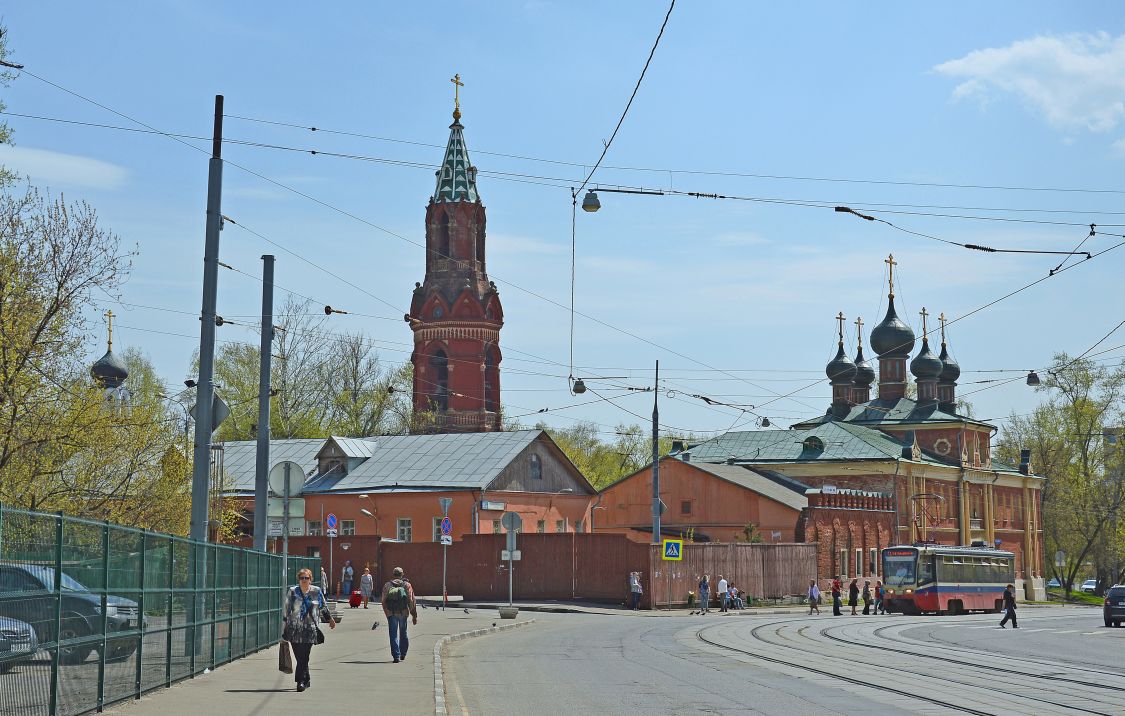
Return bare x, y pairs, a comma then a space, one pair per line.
1075, 597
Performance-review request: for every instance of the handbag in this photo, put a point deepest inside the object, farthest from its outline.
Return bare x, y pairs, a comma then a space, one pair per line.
319, 636
285, 658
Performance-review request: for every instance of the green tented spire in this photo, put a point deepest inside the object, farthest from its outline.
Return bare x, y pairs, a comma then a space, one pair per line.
457, 178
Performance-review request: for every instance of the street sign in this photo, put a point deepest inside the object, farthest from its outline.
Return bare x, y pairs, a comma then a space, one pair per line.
673, 550
663, 507
445, 503
446, 526
1060, 558
296, 530
330, 533
512, 521
275, 507
510, 554
296, 478
330, 521
220, 411
828, 489
511, 540
275, 526
447, 540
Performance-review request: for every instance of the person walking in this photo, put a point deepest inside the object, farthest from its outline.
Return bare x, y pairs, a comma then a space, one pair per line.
836, 588
347, 576
866, 597
635, 589
814, 597
853, 596
723, 593
704, 594
366, 585
304, 608
324, 586
1009, 607
880, 596
398, 604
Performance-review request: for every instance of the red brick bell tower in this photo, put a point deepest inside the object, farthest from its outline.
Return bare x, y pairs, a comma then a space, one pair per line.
455, 313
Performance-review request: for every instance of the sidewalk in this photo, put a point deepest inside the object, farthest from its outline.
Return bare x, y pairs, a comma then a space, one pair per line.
351, 672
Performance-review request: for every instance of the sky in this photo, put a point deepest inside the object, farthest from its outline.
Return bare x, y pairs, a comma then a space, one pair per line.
877, 106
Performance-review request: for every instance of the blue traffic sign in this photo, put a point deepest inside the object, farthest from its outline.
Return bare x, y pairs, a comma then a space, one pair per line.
330, 521
446, 526
673, 549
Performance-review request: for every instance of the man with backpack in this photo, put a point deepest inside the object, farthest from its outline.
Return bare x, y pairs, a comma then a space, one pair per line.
398, 604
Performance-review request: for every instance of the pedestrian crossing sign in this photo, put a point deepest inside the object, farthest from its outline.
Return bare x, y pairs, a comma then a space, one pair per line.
673, 549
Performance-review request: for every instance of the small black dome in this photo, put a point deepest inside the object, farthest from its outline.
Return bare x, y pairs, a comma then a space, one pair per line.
109, 371
864, 373
926, 365
840, 369
892, 337
950, 371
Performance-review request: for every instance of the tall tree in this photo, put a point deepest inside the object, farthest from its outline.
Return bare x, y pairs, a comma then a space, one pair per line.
604, 461
1083, 491
6, 75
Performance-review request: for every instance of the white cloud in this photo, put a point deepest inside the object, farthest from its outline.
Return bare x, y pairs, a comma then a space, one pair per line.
1074, 81
44, 166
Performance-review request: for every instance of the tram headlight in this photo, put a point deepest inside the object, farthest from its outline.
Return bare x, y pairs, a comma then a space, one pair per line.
890, 591
908, 591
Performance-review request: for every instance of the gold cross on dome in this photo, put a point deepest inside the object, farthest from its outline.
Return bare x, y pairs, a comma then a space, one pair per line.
457, 85
924, 313
941, 319
890, 261
859, 332
109, 328
840, 318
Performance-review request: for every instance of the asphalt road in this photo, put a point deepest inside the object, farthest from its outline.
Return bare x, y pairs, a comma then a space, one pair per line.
1061, 660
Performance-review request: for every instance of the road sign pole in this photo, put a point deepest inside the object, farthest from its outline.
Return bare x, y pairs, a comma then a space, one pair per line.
285, 533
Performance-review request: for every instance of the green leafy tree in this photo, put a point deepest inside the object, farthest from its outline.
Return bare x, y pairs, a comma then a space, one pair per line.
1083, 491
603, 461
7, 177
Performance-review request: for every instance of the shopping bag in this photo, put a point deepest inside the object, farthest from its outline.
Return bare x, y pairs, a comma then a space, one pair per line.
285, 658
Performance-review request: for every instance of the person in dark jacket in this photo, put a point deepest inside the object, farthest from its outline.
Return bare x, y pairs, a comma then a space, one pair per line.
303, 606
853, 595
1009, 607
836, 588
867, 597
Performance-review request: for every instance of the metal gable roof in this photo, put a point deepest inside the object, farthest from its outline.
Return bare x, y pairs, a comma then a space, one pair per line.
751, 480
239, 458
841, 441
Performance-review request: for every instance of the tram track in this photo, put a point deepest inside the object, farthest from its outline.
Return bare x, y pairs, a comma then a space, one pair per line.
782, 638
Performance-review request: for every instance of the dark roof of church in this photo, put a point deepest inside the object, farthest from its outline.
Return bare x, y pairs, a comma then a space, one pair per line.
834, 441
457, 177
880, 412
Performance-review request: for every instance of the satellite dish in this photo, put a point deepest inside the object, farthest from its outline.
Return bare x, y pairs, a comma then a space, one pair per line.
295, 476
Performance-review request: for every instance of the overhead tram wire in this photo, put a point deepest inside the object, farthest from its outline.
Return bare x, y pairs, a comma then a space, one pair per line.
564, 182
349, 214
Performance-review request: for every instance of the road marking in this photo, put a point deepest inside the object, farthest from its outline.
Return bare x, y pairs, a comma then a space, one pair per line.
1065, 631
1034, 630
1093, 633
990, 626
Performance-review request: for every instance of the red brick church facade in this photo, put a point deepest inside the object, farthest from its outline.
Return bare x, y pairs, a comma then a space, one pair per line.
455, 312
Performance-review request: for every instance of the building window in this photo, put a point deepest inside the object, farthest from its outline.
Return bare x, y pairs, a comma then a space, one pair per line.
496, 528
536, 469
314, 528
347, 528
405, 530
437, 529
843, 566
579, 527
859, 563
873, 562
685, 507
440, 385
541, 526
560, 525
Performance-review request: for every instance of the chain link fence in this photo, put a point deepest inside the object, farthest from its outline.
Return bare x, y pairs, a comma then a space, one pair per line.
92, 613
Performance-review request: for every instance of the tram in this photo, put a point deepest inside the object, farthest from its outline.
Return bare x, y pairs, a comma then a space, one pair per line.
944, 579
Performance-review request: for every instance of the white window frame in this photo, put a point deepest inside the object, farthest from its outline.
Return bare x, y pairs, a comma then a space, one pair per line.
858, 562
312, 528
497, 528
560, 526
541, 526
843, 564
404, 529
347, 528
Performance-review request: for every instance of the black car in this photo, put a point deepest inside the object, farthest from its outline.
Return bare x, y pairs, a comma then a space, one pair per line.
27, 593
1113, 608
17, 643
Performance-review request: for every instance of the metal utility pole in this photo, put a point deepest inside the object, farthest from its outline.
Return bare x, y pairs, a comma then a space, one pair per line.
285, 534
262, 463
656, 457
205, 386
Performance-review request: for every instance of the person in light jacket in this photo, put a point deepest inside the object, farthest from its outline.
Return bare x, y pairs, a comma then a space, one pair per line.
814, 597
301, 617
704, 594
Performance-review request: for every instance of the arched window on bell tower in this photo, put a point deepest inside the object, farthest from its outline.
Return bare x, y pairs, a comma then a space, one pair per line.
443, 243
441, 381
491, 382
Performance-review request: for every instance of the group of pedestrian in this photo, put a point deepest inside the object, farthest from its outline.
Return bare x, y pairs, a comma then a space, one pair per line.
305, 610
725, 593
872, 597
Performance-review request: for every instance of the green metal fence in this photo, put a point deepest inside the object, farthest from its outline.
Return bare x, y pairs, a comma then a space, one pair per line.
92, 613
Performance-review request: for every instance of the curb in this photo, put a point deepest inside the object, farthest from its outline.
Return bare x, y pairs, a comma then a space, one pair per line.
439, 678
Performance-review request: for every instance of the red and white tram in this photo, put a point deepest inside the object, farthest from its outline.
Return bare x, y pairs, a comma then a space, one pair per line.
944, 579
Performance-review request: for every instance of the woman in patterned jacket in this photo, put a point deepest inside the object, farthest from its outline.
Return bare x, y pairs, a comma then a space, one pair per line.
304, 605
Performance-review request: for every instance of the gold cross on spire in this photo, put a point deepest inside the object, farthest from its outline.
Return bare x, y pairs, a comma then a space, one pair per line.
859, 333
457, 85
924, 313
109, 329
890, 261
840, 318
941, 319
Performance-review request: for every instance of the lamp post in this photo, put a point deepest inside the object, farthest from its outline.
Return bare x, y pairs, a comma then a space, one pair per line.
656, 457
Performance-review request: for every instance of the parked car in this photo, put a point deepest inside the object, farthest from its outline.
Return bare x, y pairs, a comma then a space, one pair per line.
27, 594
1089, 586
17, 643
1113, 608
1054, 583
